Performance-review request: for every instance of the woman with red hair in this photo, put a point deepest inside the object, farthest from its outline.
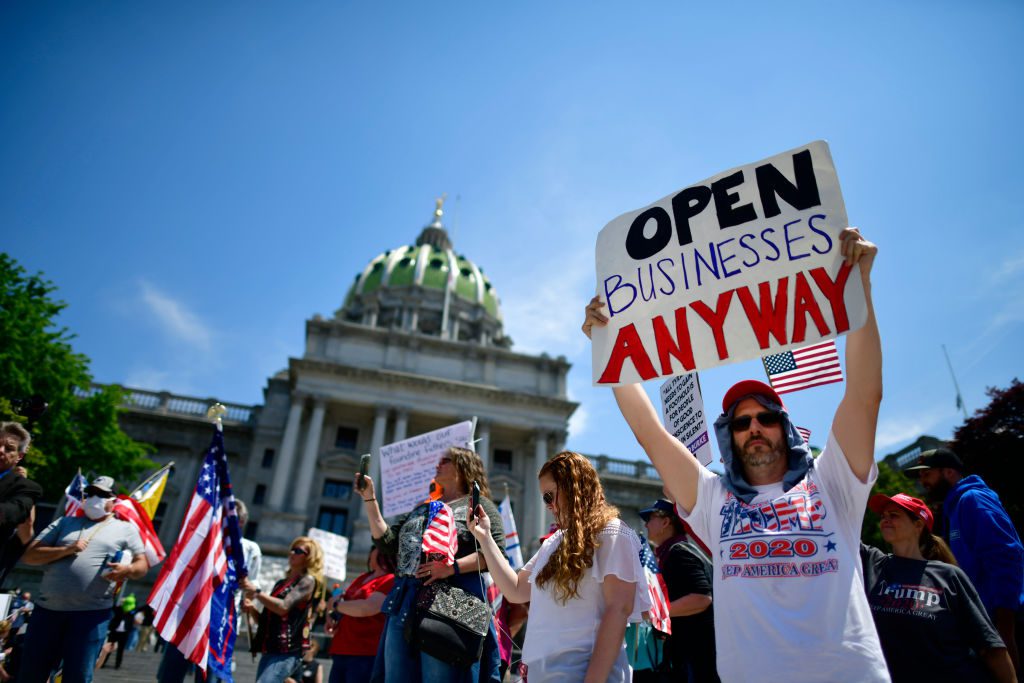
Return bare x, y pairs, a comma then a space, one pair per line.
583, 584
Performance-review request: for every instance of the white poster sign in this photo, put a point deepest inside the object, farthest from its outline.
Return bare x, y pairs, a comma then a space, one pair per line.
272, 570
744, 264
682, 407
335, 549
406, 467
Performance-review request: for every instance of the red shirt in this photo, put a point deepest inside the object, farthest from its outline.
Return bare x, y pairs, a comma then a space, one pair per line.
360, 635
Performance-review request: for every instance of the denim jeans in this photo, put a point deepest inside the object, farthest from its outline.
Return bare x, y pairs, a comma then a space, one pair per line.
351, 668
74, 637
398, 662
274, 668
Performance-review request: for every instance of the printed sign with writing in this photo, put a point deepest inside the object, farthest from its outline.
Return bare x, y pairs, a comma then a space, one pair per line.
406, 467
335, 549
744, 264
683, 410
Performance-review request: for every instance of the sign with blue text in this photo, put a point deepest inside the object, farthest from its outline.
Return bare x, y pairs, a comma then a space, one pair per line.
744, 264
407, 466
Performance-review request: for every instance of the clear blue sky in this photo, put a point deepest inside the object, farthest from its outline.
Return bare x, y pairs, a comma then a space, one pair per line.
199, 179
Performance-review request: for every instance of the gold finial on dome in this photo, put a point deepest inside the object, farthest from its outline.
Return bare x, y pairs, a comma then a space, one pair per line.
439, 209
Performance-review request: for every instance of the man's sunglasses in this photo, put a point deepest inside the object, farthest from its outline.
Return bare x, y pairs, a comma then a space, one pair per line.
768, 418
300, 551
101, 494
549, 497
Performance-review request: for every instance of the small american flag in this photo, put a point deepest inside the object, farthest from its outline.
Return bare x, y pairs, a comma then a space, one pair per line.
439, 533
75, 493
806, 433
660, 619
804, 368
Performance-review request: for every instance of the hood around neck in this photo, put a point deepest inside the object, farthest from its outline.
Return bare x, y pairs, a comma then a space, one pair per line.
799, 454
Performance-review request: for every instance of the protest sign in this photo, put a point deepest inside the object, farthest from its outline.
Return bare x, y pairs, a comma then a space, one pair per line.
406, 467
683, 409
335, 549
744, 264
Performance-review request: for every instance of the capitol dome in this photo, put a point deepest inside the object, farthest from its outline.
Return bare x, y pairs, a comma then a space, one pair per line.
428, 289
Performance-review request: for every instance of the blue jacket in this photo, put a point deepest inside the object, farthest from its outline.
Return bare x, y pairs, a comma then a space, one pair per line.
985, 543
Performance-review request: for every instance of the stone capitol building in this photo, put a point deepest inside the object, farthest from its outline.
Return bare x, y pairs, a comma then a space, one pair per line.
417, 344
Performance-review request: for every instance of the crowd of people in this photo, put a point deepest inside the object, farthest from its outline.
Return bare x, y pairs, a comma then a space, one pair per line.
764, 572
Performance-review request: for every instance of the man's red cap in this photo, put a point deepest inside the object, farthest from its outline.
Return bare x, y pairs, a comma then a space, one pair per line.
915, 506
746, 388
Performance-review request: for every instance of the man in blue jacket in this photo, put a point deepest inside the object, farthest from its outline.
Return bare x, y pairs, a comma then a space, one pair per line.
981, 536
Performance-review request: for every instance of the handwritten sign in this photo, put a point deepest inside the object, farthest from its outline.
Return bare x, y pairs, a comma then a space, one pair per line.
335, 549
406, 467
682, 407
744, 264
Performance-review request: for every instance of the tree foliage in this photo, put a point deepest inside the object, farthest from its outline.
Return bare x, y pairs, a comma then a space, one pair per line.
889, 482
991, 444
80, 428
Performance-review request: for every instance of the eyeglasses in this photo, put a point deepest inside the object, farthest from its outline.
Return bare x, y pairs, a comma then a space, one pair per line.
300, 551
549, 497
768, 418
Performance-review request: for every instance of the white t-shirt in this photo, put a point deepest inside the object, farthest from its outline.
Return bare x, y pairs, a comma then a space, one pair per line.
789, 586
560, 638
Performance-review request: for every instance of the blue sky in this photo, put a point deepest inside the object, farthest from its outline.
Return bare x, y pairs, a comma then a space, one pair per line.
200, 179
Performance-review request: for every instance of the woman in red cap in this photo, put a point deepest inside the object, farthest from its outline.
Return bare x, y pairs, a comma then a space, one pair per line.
929, 617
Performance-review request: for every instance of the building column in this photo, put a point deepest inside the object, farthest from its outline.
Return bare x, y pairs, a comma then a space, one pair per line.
483, 433
283, 467
538, 524
304, 480
401, 425
380, 424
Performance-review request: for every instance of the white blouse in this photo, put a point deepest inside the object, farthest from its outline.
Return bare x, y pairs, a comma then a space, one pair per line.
560, 638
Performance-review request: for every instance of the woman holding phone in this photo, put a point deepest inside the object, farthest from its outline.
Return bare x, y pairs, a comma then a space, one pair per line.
397, 662
583, 584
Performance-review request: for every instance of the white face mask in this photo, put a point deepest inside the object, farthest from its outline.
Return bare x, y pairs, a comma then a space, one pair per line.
95, 507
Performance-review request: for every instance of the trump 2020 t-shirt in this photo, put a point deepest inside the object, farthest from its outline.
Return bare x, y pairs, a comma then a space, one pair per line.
788, 585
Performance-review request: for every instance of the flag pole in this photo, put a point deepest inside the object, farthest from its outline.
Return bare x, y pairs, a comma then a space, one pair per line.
150, 478
959, 398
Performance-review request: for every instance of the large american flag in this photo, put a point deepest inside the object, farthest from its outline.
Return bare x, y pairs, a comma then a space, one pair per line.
439, 533
660, 618
193, 596
804, 368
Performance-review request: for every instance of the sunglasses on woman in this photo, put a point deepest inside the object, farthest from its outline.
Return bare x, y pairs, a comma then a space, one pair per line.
768, 418
300, 551
549, 497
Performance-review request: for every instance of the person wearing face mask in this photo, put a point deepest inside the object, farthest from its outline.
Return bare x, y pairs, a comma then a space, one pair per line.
82, 559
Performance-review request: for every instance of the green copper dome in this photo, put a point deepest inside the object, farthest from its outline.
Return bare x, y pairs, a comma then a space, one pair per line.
426, 287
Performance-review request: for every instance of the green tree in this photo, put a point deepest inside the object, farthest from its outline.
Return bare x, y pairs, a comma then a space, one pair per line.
991, 443
889, 482
80, 427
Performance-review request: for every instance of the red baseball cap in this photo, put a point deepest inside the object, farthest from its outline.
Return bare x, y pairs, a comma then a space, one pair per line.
746, 388
915, 506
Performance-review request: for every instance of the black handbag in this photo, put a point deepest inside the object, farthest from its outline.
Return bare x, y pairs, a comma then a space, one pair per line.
451, 624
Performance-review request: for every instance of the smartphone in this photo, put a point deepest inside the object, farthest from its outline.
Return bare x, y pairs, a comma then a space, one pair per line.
475, 500
364, 468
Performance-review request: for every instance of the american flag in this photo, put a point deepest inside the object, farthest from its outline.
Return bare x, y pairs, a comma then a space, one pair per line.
660, 619
804, 368
439, 533
193, 595
806, 433
75, 493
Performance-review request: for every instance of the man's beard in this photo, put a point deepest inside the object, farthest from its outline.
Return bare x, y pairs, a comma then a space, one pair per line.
767, 454
937, 493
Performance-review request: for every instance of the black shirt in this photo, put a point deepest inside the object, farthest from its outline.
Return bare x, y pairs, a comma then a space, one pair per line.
692, 645
929, 617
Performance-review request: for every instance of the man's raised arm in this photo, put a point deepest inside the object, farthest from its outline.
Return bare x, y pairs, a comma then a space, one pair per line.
674, 462
857, 416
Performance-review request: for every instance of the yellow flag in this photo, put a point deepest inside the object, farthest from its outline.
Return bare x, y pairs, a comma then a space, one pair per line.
150, 491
